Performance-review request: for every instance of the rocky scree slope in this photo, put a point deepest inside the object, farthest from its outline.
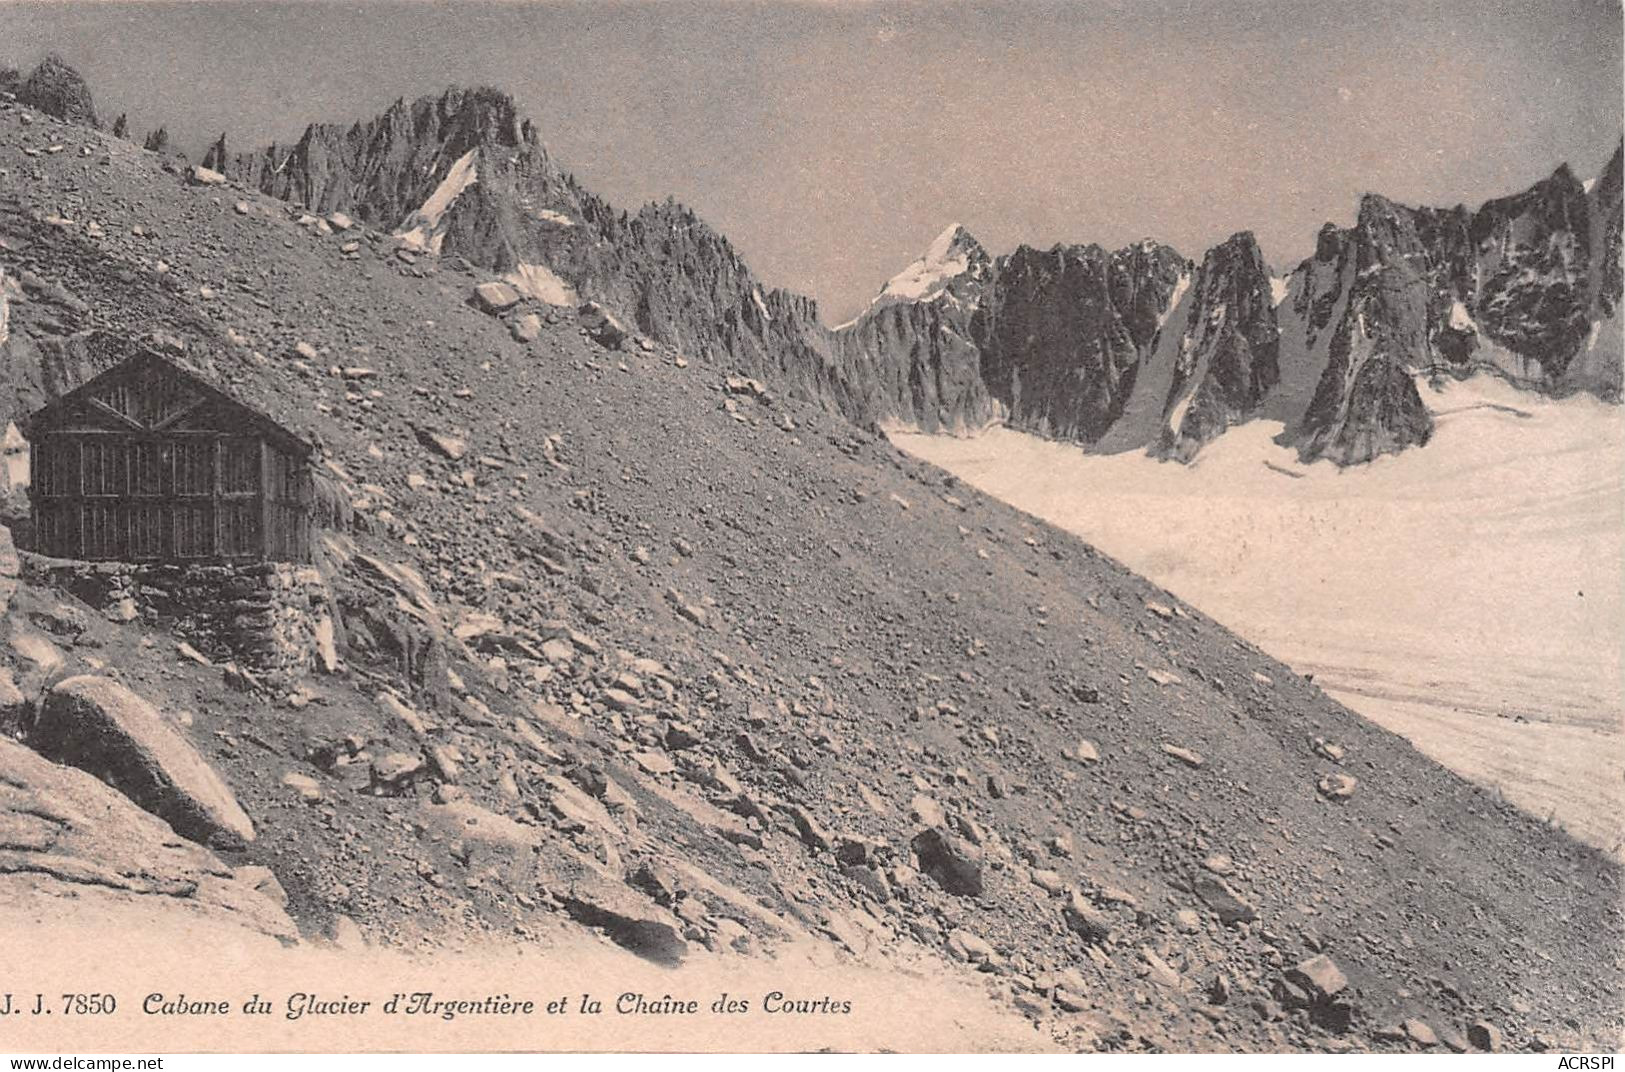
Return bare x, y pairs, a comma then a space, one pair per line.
644, 646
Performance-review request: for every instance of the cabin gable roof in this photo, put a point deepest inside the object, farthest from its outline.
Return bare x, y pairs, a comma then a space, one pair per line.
148, 393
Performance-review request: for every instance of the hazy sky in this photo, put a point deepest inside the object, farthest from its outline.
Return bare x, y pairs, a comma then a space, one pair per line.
831, 142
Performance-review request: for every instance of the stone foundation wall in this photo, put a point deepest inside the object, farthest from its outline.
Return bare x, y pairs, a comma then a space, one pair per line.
272, 618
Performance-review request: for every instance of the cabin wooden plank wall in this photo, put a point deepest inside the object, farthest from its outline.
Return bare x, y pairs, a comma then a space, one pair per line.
146, 464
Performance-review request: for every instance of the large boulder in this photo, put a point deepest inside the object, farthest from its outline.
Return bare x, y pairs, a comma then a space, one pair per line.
954, 864
607, 331
1320, 977
57, 89
628, 917
199, 175
101, 727
75, 854
1087, 920
495, 297
1221, 897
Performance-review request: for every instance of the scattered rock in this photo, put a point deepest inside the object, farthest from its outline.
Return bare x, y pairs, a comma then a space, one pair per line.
1453, 1040
969, 947
309, 790
1184, 755
926, 811
1320, 977
1337, 786
628, 918
442, 763
1160, 971
450, 447
812, 833
1327, 750
526, 328
1050, 882
393, 774
656, 763
1225, 902
604, 329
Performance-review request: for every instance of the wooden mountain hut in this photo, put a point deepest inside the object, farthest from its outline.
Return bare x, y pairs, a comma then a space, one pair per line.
148, 462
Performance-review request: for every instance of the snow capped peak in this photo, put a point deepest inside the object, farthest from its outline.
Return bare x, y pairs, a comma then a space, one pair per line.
953, 253
945, 242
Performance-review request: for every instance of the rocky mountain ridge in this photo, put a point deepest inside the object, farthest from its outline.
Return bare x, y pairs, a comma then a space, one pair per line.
1154, 353
1076, 342
1063, 342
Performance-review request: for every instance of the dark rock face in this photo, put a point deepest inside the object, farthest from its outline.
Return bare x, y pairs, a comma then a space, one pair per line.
382, 170
1061, 342
1535, 250
1064, 330
1048, 340
57, 89
1605, 215
1230, 348
1522, 287
683, 283
217, 159
1365, 403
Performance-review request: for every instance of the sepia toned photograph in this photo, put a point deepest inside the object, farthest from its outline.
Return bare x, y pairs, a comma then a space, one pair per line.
777, 526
